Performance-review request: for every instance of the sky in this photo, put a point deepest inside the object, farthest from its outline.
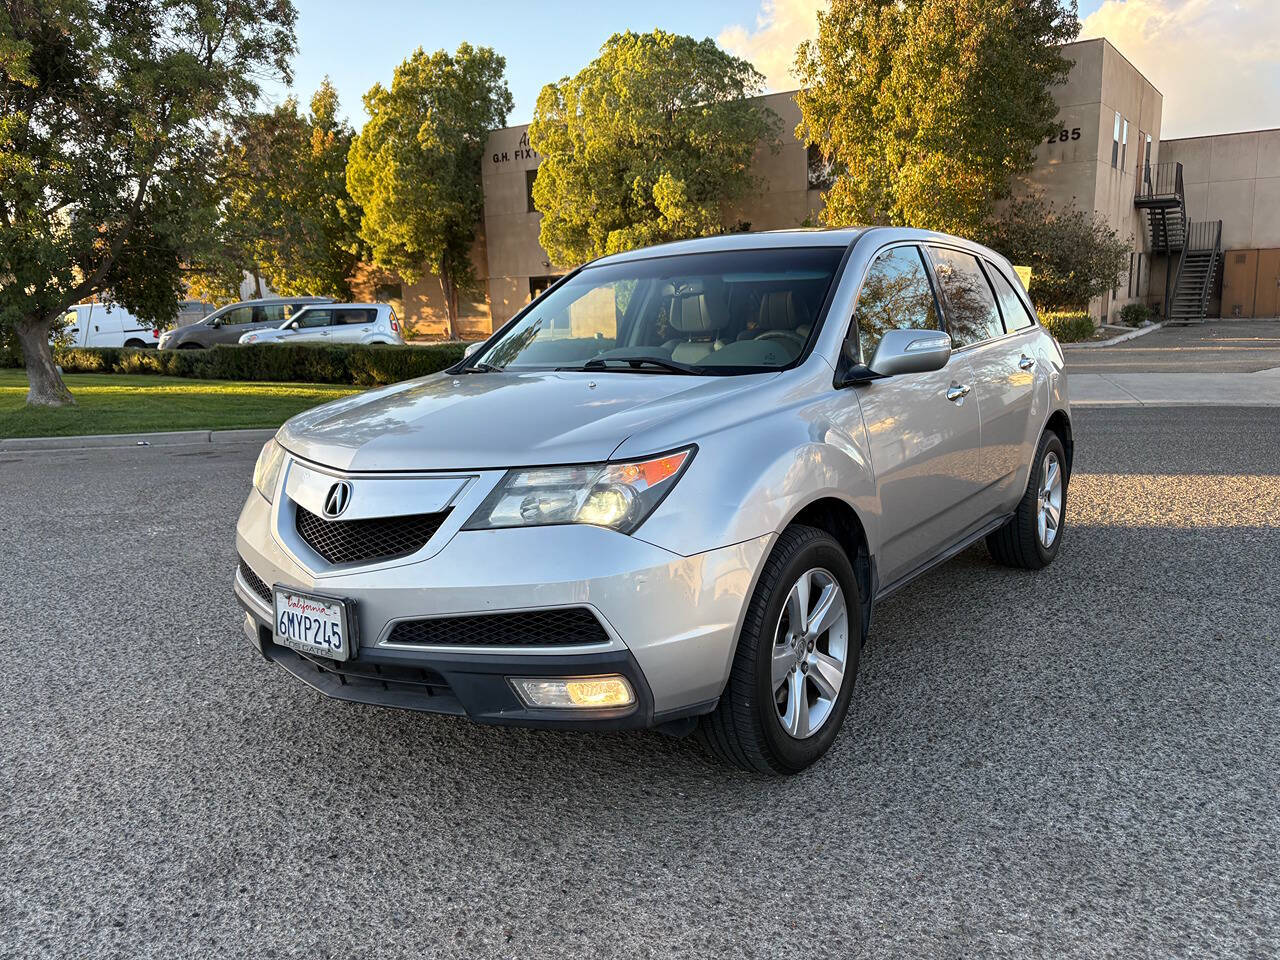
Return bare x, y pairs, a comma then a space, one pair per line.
1217, 62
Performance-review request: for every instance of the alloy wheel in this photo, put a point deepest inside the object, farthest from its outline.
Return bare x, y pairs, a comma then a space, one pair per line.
1049, 515
810, 653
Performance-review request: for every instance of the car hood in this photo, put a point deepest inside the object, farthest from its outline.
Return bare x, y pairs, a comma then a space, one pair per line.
184, 329
496, 420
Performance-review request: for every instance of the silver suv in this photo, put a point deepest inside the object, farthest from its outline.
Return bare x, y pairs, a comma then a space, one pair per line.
669, 492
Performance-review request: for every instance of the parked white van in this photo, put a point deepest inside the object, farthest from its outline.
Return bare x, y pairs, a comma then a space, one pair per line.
105, 325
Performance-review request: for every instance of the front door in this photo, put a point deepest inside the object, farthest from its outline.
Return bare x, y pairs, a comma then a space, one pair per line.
923, 435
1239, 281
1267, 299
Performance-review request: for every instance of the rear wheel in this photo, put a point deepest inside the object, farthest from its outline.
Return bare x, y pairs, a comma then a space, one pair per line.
797, 659
135, 344
1031, 538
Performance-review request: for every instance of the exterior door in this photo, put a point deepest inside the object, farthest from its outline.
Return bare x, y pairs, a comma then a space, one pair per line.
924, 447
232, 326
1267, 298
353, 324
1239, 282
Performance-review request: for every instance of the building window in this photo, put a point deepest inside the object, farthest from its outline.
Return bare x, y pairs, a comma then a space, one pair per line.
1124, 145
538, 285
1115, 142
1146, 160
529, 177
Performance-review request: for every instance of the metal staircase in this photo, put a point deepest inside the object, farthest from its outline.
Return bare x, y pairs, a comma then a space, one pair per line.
1160, 194
1197, 269
1197, 245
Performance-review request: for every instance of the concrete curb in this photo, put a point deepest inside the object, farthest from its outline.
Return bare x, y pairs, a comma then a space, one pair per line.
176, 438
1123, 338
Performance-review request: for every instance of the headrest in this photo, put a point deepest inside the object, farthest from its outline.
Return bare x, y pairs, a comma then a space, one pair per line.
697, 306
779, 310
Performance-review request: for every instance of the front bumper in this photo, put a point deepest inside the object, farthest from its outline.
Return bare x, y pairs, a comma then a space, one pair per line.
671, 621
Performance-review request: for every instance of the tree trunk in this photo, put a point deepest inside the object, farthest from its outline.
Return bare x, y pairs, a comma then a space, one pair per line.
450, 298
257, 284
44, 383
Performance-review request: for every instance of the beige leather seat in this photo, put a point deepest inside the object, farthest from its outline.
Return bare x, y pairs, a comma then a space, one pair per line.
698, 314
781, 313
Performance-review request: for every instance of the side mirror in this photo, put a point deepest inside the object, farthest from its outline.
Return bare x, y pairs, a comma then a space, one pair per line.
471, 348
293, 324
910, 351
216, 322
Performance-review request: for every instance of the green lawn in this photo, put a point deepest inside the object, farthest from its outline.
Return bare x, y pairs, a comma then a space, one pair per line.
118, 403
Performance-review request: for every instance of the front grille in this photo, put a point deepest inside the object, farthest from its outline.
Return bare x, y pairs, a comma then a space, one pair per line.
255, 582
363, 541
533, 628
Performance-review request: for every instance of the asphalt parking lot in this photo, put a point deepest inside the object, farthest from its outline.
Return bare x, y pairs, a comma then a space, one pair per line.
1216, 346
1079, 763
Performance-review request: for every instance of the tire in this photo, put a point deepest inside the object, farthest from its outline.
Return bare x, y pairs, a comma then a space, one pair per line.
134, 344
190, 346
748, 728
1020, 543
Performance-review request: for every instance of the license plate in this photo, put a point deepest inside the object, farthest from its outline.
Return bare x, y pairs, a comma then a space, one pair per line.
310, 624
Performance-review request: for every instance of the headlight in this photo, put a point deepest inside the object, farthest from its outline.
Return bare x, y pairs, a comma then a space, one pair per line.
249, 338
614, 495
266, 472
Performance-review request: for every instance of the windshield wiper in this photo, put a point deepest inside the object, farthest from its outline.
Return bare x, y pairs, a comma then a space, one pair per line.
638, 363
481, 367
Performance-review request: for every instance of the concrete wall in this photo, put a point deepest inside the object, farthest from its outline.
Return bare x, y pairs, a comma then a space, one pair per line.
1235, 178
1078, 169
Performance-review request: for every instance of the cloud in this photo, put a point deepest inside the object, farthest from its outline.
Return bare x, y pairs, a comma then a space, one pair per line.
781, 26
1217, 63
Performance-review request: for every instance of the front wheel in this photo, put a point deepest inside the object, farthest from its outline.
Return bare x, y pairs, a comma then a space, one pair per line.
793, 673
1032, 536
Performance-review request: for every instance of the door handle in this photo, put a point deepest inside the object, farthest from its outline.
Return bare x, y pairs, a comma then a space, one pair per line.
957, 391
1026, 363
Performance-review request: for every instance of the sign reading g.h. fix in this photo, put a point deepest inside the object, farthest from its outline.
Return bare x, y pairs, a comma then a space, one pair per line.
522, 152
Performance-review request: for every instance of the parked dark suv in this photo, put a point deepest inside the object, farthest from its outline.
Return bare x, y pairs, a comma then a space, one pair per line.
232, 322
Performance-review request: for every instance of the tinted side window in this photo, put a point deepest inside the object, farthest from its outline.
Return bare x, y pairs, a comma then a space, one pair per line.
1012, 308
355, 316
971, 308
896, 295
313, 318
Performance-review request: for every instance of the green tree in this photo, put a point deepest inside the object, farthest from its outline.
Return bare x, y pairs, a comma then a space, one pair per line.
1073, 255
107, 110
929, 108
286, 217
415, 167
652, 141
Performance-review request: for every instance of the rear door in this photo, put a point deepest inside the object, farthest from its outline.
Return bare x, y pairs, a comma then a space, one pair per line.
353, 324
924, 435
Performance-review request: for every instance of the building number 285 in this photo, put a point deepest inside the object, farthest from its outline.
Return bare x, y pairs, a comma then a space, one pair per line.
1063, 135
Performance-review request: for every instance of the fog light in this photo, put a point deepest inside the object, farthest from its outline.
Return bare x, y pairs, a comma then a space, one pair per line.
588, 692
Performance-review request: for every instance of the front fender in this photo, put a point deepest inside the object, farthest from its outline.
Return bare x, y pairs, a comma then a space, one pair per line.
751, 480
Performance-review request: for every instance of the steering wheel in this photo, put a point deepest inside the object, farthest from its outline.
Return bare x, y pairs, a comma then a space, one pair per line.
781, 335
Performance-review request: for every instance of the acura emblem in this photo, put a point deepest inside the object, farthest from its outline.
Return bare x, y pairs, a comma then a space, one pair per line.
337, 500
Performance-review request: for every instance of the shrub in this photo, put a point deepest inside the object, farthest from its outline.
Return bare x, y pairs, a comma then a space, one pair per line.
1068, 326
1135, 314
276, 363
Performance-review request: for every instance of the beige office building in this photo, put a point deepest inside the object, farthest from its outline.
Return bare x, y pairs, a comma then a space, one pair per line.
1202, 214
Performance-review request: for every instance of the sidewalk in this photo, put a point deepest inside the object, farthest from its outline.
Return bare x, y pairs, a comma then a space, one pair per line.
1261, 389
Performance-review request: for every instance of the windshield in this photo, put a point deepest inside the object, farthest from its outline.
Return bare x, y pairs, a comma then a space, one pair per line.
710, 313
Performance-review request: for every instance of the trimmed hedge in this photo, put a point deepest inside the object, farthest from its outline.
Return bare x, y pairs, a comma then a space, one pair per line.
1068, 326
270, 363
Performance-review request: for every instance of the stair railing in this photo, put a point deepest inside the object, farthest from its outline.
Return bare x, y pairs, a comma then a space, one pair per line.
1161, 180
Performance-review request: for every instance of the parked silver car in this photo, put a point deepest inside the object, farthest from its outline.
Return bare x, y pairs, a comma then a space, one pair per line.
370, 324
230, 323
669, 492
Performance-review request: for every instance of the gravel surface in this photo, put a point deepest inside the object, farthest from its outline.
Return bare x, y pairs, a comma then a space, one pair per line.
1077, 763
1216, 346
